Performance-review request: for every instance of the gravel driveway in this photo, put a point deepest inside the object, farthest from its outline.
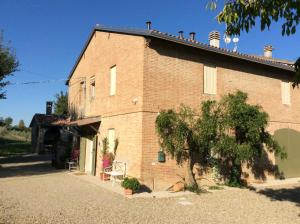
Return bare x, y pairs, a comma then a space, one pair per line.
31, 192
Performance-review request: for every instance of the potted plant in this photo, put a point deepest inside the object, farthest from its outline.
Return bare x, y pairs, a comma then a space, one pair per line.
130, 185
106, 159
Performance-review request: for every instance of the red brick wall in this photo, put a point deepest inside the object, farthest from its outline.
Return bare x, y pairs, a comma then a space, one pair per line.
173, 75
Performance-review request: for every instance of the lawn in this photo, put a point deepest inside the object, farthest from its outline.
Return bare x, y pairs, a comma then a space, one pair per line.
13, 147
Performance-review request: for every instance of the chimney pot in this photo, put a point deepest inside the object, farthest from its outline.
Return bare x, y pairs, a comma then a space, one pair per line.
49, 108
148, 23
192, 35
214, 38
180, 34
268, 51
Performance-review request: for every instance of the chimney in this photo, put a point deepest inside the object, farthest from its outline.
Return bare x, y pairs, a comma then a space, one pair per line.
180, 34
192, 35
214, 38
268, 51
148, 23
49, 108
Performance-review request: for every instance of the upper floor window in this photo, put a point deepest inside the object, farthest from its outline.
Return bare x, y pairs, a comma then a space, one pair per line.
113, 80
285, 93
210, 79
92, 88
82, 92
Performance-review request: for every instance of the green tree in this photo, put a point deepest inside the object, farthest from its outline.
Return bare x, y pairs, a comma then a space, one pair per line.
179, 137
61, 104
243, 15
241, 135
21, 125
2, 121
227, 133
8, 65
8, 122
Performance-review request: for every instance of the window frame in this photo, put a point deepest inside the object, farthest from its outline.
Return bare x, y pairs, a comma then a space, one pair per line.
92, 88
213, 89
111, 145
113, 80
285, 96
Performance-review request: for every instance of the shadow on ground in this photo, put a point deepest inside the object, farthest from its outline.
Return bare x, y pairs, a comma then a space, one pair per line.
27, 158
283, 194
28, 165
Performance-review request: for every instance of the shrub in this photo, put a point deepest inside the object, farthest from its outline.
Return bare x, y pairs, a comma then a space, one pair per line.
131, 183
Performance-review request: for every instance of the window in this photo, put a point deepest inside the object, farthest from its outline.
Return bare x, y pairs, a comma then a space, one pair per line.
210, 79
285, 93
82, 92
111, 139
92, 88
113, 79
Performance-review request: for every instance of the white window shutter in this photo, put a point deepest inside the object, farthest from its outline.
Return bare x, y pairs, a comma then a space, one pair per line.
210, 79
113, 80
285, 93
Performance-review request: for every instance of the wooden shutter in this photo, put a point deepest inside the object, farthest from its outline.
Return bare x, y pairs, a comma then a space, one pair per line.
94, 160
285, 93
82, 154
210, 79
113, 80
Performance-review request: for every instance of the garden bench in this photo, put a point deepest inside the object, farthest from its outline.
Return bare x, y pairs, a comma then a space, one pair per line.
116, 170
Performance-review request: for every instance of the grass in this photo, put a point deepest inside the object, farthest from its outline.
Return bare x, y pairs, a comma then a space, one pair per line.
14, 143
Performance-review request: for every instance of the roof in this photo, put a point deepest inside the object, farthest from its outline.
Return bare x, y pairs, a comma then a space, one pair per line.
85, 121
276, 63
46, 120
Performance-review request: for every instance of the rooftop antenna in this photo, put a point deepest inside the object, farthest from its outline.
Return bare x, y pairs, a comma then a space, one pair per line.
226, 39
235, 40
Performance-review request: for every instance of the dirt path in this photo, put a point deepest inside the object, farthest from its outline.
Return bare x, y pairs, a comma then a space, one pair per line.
32, 192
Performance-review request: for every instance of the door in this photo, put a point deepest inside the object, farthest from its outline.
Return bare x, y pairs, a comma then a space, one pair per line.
82, 154
290, 140
94, 155
89, 156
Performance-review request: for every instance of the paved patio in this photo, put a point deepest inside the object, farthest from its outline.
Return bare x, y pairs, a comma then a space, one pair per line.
32, 192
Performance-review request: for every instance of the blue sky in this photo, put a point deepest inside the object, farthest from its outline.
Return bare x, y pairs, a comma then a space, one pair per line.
48, 35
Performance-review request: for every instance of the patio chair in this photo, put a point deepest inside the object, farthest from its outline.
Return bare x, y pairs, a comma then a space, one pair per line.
73, 161
116, 170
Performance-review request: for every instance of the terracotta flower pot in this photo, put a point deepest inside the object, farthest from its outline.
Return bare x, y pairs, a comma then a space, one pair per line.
104, 176
128, 192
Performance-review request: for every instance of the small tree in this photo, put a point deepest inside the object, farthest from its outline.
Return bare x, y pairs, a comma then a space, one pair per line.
8, 65
104, 150
2, 122
8, 122
241, 135
21, 125
178, 135
61, 104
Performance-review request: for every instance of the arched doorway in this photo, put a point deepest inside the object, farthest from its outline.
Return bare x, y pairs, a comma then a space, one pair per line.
51, 138
290, 139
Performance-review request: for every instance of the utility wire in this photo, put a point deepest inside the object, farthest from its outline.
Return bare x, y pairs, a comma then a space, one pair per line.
40, 82
37, 82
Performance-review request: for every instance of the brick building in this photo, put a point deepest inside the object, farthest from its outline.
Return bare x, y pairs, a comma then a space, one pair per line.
124, 77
